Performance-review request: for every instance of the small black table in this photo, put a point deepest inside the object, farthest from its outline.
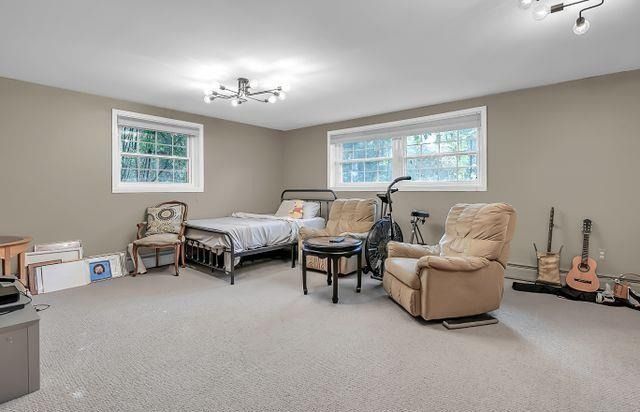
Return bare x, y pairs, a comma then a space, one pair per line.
327, 247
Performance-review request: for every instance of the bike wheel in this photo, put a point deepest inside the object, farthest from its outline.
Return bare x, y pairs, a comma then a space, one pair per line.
376, 245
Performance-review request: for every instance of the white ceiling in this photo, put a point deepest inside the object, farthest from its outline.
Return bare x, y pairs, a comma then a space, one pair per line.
343, 59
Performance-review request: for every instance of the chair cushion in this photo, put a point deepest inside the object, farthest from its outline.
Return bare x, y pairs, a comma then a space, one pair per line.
164, 219
482, 230
351, 215
158, 239
405, 270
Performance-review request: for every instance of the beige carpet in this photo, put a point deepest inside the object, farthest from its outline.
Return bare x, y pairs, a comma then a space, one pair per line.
195, 343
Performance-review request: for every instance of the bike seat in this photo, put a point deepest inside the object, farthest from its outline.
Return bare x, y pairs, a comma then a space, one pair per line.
382, 196
419, 213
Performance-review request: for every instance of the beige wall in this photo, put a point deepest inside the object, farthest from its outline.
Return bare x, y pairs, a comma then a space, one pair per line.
573, 145
55, 168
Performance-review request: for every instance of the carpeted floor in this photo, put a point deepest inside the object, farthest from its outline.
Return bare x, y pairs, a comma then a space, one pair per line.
195, 343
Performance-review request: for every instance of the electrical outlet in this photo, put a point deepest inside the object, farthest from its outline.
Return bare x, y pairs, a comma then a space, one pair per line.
602, 254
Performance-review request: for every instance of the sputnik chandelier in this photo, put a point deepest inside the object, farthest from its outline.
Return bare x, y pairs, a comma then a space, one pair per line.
247, 90
542, 8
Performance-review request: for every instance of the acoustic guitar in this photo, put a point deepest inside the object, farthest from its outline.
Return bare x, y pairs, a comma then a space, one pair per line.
582, 275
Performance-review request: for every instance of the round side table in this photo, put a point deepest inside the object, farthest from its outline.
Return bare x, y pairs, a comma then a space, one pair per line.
332, 248
11, 246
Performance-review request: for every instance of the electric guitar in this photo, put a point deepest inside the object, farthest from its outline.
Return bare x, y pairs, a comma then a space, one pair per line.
582, 275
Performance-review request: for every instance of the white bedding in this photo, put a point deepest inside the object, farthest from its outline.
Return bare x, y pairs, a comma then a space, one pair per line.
248, 230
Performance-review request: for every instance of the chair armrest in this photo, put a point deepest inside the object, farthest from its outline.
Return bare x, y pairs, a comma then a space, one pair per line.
140, 226
183, 228
357, 235
453, 263
309, 232
398, 249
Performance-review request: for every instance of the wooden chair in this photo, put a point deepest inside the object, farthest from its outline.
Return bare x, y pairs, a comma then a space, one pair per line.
160, 241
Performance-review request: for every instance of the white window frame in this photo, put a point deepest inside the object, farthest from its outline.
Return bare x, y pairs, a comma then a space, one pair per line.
195, 150
398, 163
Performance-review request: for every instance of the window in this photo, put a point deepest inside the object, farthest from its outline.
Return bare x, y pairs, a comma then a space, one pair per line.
440, 152
155, 154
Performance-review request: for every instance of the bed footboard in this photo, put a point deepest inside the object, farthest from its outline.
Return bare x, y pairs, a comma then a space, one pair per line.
201, 254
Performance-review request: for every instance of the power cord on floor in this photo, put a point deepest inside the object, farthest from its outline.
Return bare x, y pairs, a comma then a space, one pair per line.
39, 307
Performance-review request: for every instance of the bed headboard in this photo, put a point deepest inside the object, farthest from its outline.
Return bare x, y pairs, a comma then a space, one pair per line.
322, 196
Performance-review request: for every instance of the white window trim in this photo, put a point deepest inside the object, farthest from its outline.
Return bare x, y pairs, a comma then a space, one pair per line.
196, 165
398, 166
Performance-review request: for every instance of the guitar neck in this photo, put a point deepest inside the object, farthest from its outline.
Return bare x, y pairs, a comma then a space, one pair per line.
585, 247
550, 238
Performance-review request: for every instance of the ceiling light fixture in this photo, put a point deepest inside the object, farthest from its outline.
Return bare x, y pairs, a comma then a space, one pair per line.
525, 4
582, 26
543, 8
245, 92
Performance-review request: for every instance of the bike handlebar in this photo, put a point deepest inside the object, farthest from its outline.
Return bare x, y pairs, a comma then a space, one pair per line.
396, 180
389, 188
399, 179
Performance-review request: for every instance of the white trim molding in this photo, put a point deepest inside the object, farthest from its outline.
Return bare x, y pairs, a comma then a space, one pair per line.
195, 131
398, 130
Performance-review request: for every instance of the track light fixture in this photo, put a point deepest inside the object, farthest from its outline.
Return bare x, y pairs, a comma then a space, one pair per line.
542, 8
246, 91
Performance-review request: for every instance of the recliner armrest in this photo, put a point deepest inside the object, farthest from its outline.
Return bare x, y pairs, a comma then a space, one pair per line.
398, 249
309, 232
453, 263
362, 235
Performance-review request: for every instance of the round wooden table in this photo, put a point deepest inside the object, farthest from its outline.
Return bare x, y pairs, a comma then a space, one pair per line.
11, 246
332, 248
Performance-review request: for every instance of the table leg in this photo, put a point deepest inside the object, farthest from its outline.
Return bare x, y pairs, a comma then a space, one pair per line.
22, 270
304, 271
359, 286
134, 256
6, 265
328, 271
335, 279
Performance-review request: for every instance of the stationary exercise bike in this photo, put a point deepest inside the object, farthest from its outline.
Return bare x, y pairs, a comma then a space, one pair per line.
384, 230
418, 218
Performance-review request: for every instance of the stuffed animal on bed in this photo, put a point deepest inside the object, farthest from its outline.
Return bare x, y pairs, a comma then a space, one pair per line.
297, 210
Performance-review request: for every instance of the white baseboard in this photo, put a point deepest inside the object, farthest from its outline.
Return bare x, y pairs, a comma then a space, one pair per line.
149, 259
521, 272
529, 274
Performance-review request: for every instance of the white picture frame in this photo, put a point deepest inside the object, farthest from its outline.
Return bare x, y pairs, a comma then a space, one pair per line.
71, 244
116, 260
63, 276
66, 255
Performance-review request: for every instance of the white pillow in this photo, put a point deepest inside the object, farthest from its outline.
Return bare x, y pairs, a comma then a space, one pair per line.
310, 210
286, 207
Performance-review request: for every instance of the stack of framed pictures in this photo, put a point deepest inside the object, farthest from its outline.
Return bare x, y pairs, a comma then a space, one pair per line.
57, 266
106, 266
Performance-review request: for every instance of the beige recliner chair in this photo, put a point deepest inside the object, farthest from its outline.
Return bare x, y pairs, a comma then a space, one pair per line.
461, 276
348, 217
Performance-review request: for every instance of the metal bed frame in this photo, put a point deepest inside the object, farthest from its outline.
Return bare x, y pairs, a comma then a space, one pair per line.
201, 254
